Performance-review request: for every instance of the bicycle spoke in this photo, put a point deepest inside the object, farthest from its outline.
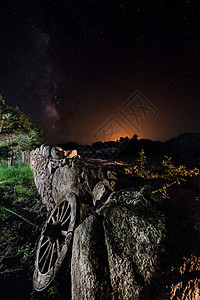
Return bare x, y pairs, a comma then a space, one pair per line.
58, 247
46, 259
64, 213
65, 220
44, 253
44, 243
57, 216
51, 256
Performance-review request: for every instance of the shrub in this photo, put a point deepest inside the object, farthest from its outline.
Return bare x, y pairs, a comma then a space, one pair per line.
168, 171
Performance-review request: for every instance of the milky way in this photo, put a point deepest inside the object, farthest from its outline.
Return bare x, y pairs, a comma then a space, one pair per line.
72, 65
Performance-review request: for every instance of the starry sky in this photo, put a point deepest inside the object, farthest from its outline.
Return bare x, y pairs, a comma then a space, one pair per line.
97, 70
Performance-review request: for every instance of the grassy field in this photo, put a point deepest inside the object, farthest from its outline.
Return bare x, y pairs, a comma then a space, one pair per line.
17, 240
17, 185
14, 175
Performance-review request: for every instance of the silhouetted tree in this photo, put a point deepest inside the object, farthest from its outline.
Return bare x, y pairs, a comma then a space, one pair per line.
16, 125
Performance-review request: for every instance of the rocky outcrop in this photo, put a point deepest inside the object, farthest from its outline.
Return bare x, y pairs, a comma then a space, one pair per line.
89, 265
144, 247
129, 243
64, 181
123, 241
43, 166
53, 174
57, 172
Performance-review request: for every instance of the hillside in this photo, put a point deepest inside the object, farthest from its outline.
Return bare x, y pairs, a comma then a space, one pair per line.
184, 149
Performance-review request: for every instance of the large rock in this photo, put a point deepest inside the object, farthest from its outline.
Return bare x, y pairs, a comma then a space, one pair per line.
89, 264
71, 153
56, 153
57, 172
64, 181
133, 230
100, 192
134, 235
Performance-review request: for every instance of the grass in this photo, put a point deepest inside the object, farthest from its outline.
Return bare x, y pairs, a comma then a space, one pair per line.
18, 193
26, 251
20, 189
17, 186
16, 175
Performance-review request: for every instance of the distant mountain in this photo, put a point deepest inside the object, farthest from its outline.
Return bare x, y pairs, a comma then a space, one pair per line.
69, 146
184, 149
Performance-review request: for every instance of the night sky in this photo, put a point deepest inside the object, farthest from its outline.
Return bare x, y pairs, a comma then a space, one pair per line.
91, 70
